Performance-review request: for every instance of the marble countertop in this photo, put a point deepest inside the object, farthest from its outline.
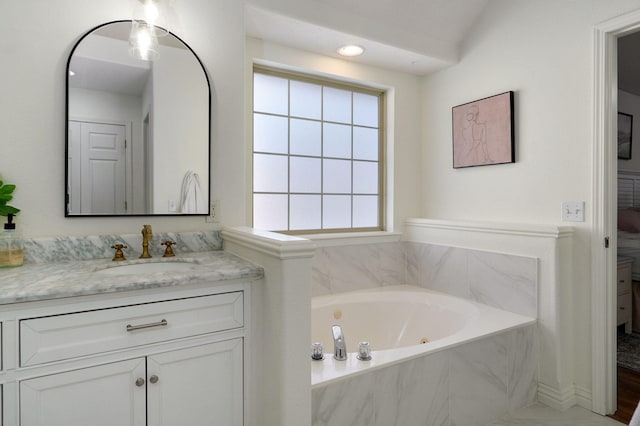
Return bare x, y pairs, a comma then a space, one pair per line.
36, 282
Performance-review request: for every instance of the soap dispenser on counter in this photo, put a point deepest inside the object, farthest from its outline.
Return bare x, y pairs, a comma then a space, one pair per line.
11, 245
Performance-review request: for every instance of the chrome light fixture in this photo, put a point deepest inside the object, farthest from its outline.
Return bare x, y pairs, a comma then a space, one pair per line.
145, 30
143, 42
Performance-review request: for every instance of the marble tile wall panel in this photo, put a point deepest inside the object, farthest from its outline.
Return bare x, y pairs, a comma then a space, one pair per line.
414, 393
478, 382
439, 268
63, 249
357, 267
348, 402
503, 281
472, 384
522, 367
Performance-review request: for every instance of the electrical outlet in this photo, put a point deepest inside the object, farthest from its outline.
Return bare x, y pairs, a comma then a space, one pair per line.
573, 211
213, 212
172, 206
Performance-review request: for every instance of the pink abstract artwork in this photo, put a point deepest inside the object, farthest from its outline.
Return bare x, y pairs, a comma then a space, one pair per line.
483, 132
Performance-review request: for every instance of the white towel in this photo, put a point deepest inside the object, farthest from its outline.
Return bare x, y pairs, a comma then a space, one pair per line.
192, 199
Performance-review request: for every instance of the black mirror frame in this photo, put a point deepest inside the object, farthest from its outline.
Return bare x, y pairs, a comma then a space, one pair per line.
66, 136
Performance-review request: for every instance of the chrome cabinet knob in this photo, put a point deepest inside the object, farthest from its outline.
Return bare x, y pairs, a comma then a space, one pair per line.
140, 382
153, 379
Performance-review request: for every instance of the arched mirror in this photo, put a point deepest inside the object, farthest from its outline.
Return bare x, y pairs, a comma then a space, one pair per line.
138, 131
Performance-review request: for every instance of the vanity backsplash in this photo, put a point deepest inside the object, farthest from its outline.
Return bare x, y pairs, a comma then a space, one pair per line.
63, 249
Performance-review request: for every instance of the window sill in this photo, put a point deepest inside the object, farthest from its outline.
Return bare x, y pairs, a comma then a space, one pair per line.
352, 238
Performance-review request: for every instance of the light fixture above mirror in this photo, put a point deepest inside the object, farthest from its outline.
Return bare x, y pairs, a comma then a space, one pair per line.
149, 22
143, 42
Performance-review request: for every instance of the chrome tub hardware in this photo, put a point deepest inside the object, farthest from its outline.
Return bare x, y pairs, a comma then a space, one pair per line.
119, 255
168, 251
339, 345
364, 351
147, 234
317, 351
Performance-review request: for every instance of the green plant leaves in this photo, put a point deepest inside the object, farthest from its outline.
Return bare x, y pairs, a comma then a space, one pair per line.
5, 197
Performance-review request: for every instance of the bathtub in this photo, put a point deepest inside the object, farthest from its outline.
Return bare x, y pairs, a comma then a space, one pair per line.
400, 323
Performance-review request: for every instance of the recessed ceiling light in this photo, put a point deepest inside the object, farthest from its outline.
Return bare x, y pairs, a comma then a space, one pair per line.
351, 50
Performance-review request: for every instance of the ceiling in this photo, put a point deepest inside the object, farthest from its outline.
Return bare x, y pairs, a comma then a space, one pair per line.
415, 36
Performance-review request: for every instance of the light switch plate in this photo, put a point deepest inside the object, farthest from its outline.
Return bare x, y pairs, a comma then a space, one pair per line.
573, 211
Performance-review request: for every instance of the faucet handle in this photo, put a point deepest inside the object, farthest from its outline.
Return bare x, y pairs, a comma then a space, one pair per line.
317, 351
119, 255
168, 251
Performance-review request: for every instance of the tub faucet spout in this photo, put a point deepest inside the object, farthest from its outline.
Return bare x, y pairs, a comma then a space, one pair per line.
339, 345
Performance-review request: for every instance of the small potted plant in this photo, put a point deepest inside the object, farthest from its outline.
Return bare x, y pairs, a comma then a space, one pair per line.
5, 196
11, 249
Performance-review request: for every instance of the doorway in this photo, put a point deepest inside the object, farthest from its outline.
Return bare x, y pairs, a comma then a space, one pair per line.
604, 234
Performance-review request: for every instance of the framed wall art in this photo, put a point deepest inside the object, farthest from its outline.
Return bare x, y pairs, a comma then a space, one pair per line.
625, 133
483, 132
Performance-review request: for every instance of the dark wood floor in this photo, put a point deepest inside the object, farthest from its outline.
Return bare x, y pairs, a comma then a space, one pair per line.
628, 394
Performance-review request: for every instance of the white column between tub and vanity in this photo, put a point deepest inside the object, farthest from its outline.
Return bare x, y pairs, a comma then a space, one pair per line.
280, 382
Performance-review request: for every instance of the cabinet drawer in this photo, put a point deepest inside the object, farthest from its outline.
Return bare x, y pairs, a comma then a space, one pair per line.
624, 308
54, 338
624, 279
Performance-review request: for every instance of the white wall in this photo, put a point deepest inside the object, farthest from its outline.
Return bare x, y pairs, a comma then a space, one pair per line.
542, 50
36, 38
403, 118
630, 104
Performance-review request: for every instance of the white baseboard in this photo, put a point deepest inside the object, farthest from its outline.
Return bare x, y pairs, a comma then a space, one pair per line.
559, 399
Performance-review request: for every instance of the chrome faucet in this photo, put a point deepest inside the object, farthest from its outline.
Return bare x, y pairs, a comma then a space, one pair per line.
147, 234
339, 345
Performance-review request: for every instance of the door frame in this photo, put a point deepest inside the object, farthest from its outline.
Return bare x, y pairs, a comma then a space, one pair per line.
604, 162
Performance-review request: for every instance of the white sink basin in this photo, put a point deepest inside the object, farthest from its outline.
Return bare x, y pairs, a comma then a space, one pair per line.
148, 268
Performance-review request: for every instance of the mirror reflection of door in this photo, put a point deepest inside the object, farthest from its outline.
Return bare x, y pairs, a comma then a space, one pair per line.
97, 158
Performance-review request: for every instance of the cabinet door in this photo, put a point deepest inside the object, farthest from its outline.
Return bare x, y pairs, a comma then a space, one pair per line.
106, 395
198, 386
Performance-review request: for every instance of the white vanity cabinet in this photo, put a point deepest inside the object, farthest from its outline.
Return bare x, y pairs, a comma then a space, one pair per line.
159, 359
104, 395
195, 386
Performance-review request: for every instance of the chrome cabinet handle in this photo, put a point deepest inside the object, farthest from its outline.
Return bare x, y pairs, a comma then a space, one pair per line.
154, 379
140, 382
162, 323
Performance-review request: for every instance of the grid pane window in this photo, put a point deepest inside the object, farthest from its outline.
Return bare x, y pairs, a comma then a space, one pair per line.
316, 154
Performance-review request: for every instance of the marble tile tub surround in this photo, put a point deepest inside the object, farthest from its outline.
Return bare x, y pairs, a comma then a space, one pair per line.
64, 249
472, 384
504, 281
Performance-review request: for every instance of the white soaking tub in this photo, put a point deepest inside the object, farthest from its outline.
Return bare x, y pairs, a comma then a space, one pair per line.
400, 323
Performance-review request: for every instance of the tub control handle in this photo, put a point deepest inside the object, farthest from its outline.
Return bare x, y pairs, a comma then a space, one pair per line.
339, 345
317, 351
364, 351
